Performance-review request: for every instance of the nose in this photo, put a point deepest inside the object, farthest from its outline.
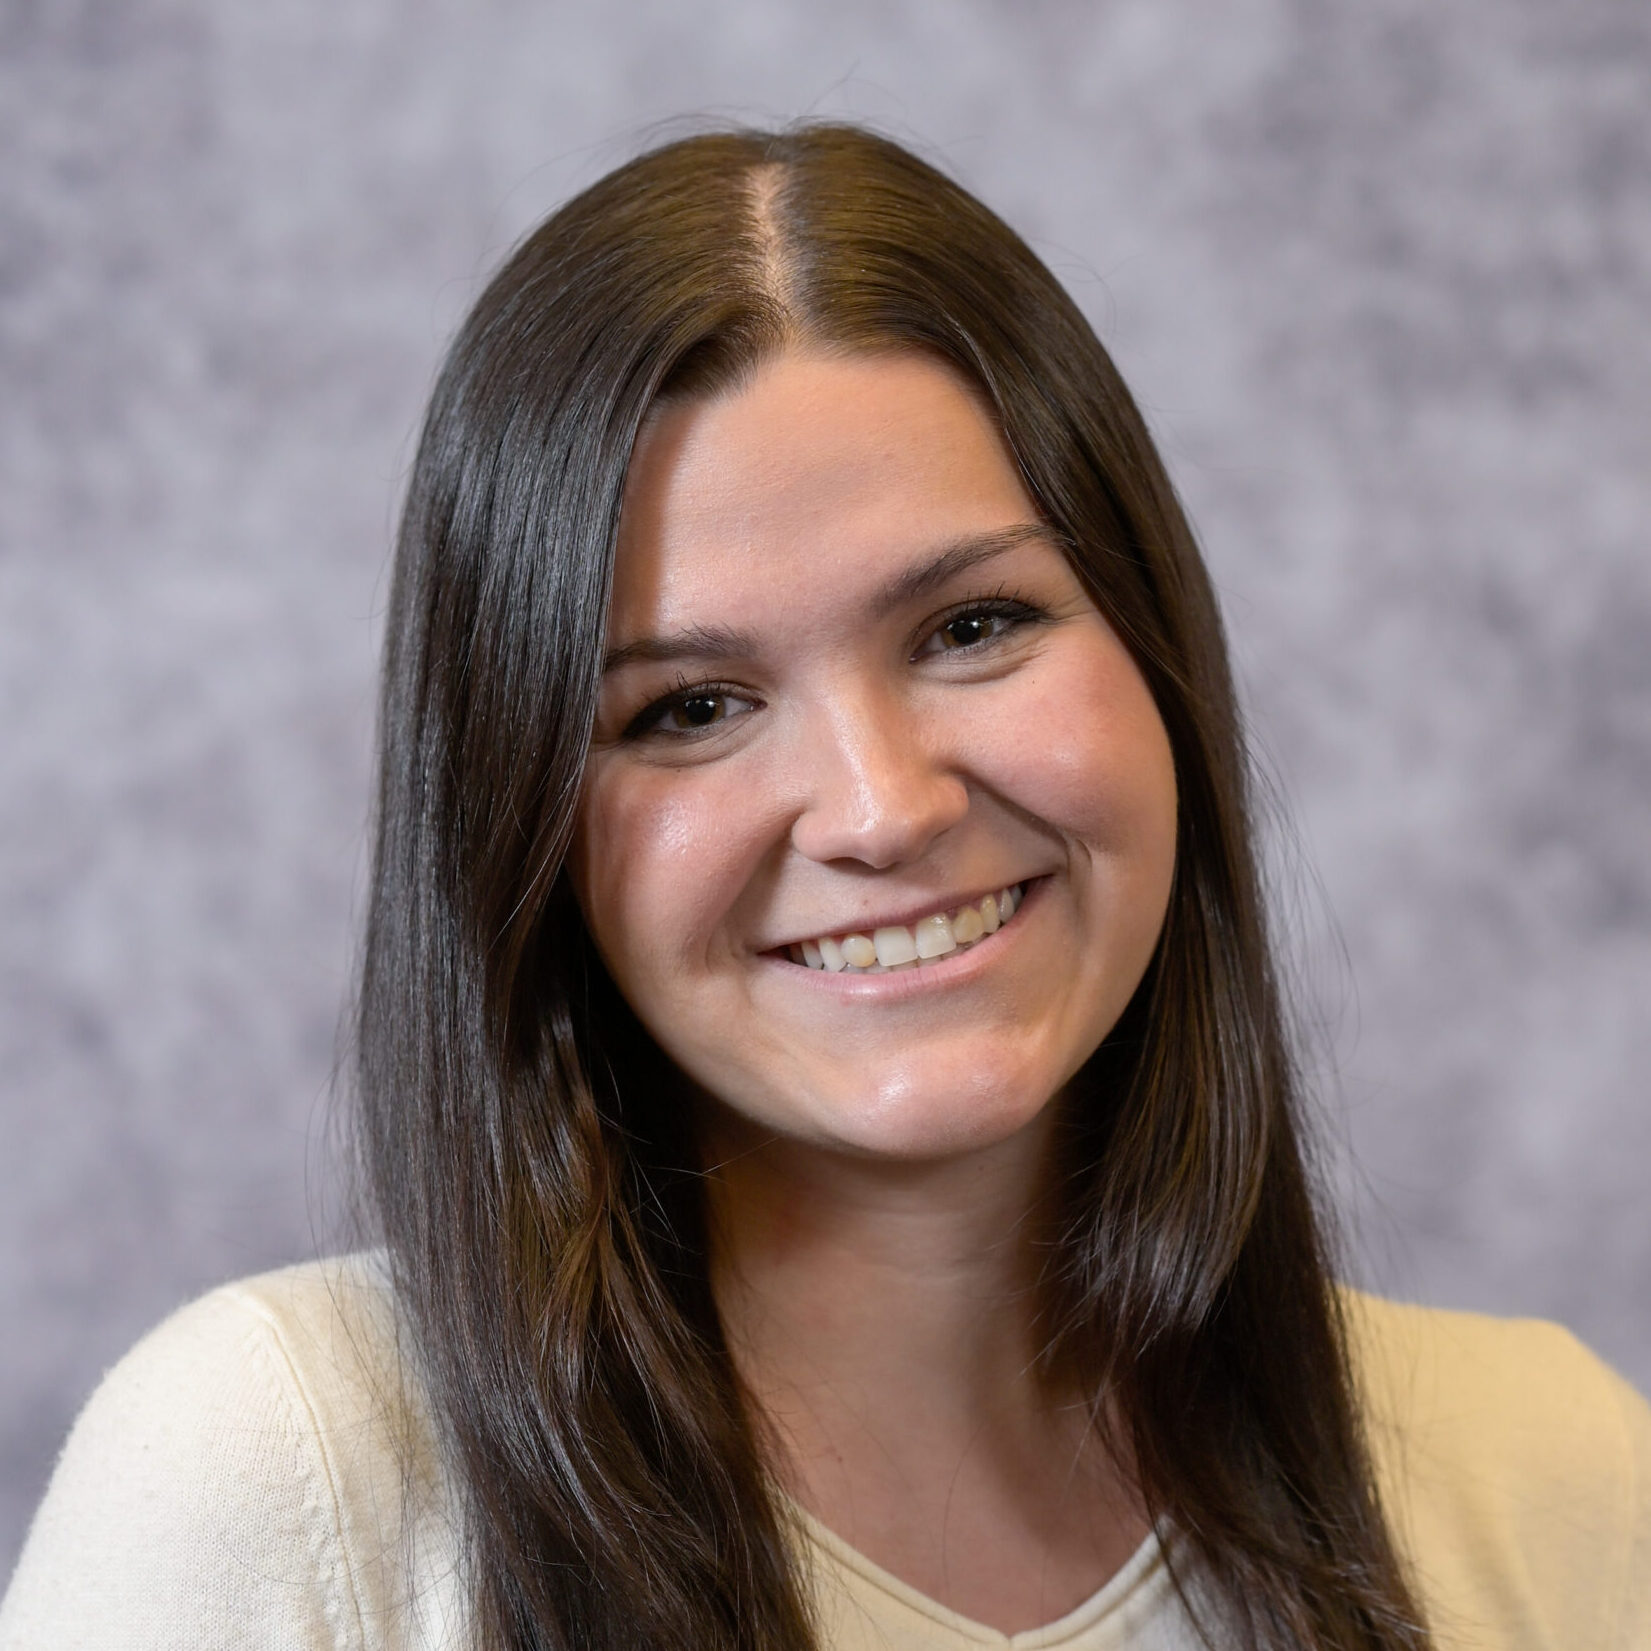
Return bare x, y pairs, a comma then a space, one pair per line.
877, 791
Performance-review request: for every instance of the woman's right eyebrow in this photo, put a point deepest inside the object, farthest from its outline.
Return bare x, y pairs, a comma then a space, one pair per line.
707, 642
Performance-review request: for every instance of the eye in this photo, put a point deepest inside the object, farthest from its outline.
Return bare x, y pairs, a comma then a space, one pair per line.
970, 629
697, 711
979, 624
688, 712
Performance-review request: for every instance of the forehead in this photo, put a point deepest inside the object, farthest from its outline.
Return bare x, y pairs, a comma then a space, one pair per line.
822, 472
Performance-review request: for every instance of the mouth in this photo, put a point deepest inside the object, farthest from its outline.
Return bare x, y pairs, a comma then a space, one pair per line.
940, 934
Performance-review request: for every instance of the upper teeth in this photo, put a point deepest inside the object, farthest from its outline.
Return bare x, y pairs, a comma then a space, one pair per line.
902, 946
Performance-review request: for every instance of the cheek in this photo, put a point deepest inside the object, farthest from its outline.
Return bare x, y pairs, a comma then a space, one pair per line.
1100, 768
652, 862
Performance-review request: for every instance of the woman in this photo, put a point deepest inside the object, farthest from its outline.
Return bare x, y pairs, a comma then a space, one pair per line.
821, 1076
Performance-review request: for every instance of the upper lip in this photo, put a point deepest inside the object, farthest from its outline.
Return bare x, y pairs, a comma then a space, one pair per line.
902, 917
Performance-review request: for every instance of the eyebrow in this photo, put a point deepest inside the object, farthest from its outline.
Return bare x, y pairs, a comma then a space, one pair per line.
955, 558
713, 642
691, 642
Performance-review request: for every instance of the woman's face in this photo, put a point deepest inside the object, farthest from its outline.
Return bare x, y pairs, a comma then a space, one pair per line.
853, 693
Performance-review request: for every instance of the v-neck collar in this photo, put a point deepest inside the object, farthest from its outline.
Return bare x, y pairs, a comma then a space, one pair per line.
1138, 1583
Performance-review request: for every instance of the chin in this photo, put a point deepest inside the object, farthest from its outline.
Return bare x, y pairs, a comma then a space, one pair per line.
908, 1119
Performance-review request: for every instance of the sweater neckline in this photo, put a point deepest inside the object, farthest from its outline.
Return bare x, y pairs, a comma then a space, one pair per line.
1136, 1583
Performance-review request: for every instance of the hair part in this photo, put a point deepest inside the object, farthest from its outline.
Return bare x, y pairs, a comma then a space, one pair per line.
535, 1189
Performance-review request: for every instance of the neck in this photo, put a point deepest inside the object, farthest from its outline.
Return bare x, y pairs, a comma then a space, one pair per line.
838, 1275
884, 1320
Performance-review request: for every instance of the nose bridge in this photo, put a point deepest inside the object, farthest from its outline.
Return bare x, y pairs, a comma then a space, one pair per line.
877, 789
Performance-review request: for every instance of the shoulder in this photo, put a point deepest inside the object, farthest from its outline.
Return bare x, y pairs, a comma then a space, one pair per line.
244, 1475
1516, 1469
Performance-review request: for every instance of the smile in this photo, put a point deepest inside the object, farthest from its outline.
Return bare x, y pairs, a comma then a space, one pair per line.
910, 946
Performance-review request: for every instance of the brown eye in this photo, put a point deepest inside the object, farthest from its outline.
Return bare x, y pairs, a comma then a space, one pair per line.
699, 711
983, 625
968, 629
691, 711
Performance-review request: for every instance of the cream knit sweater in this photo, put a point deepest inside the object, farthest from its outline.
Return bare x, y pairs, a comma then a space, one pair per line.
237, 1482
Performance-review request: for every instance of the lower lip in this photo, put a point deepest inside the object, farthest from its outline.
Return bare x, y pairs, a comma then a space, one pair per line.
955, 969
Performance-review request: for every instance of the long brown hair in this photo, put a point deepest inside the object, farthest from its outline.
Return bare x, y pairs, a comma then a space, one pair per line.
530, 1172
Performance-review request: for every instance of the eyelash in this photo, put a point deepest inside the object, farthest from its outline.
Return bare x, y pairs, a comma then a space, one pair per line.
1001, 605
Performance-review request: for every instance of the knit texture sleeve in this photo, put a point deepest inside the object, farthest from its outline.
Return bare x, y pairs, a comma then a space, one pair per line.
1634, 1630
192, 1506
1514, 1466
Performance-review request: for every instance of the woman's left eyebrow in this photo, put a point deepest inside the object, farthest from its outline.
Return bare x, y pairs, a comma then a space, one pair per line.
912, 584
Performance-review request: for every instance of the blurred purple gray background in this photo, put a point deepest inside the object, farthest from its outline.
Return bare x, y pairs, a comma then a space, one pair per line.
1381, 275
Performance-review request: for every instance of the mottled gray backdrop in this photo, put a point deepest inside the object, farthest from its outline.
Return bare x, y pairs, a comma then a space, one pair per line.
1380, 272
